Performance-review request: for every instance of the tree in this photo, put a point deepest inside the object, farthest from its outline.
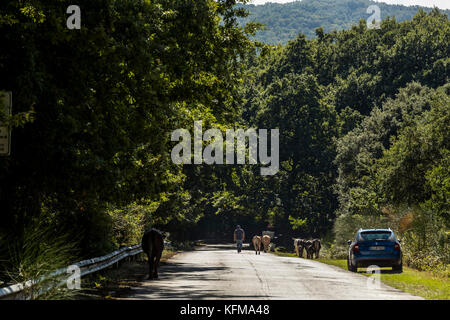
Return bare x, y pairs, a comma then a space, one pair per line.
105, 99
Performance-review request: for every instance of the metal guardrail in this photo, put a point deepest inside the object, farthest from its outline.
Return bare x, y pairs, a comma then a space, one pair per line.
17, 291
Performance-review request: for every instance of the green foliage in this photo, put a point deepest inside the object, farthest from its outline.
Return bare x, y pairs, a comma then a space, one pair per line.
128, 224
363, 118
389, 165
284, 22
358, 150
415, 154
388, 120
104, 100
340, 101
426, 245
346, 226
438, 179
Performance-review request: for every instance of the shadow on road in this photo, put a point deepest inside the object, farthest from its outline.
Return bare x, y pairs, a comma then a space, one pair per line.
381, 272
166, 287
222, 246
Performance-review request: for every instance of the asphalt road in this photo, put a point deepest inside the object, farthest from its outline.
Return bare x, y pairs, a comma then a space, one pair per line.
219, 272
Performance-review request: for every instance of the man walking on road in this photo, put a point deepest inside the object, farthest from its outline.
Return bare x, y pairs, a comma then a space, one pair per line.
239, 236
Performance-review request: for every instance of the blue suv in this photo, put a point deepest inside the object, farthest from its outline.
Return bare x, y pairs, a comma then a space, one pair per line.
377, 247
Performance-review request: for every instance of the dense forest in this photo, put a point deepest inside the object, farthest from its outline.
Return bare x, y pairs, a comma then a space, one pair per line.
363, 116
284, 22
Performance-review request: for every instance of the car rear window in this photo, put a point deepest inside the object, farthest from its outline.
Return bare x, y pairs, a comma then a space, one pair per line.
376, 235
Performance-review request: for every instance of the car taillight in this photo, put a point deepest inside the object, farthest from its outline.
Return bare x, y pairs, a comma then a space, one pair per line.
397, 247
356, 248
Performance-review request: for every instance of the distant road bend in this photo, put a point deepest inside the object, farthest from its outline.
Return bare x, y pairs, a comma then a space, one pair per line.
219, 272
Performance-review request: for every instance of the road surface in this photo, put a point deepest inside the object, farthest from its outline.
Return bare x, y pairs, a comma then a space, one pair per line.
219, 272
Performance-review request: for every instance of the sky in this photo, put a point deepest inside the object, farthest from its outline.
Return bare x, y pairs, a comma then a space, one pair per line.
442, 4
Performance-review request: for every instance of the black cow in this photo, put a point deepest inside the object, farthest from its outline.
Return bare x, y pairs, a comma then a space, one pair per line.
312, 248
309, 249
153, 246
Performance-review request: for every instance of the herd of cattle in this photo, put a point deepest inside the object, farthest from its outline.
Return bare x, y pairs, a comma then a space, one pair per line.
311, 247
258, 240
153, 245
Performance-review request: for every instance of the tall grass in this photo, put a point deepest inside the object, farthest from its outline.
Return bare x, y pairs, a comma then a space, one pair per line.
35, 255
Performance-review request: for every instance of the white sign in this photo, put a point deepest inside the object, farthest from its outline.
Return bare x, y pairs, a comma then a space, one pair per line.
5, 132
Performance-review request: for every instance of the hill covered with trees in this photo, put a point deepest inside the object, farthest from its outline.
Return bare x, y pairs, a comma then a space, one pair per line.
284, 22
364, 134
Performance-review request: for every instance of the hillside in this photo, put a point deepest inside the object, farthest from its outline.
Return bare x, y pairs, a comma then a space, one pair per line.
285, 21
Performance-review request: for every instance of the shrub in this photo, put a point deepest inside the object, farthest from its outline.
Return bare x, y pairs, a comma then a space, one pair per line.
347, 225
128, 224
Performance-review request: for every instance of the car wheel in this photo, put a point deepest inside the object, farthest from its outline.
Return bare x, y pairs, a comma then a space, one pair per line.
350, 267
398, 268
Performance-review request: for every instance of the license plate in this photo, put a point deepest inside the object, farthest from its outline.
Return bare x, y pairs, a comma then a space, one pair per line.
376, 248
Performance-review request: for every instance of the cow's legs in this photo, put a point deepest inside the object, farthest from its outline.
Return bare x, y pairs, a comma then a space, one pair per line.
156, 262
150, 266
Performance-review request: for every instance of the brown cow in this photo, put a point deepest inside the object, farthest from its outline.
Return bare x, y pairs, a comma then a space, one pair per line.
266, 242
153, 246
299, 245
257, 244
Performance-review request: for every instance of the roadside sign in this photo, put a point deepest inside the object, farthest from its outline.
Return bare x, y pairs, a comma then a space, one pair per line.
5, 131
